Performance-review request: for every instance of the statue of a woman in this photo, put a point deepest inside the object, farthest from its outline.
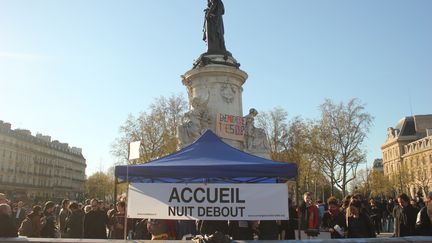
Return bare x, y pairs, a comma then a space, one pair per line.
213, 27
194, 122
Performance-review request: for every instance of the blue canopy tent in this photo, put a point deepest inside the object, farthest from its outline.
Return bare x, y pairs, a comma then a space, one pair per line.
208, 160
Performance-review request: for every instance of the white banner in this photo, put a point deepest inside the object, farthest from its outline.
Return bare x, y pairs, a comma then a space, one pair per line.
208, 201
134, 150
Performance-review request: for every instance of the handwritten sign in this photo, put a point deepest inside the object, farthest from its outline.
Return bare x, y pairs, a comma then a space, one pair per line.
230, 126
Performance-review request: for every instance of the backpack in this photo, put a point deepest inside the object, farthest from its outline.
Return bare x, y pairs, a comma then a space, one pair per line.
26, 228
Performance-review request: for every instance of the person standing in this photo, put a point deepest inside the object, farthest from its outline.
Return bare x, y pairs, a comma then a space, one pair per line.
333, 219
185, 229
74, 222
268, 230
19, 214
117, 221
309, 216
390, 219
49, 229
405, 217
424, 223
7, 227
375, 215
289, 226
358, 223
95, 222
31, 225
63, 214
429, 205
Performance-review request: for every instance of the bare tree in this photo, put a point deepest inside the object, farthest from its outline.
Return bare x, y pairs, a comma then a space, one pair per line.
156, 130
99, 185
345, 126
325, 152
401, 178
379, 184
275, 125
290, 142
360, 183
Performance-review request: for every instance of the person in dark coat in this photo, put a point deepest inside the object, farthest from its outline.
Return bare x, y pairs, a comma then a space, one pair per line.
208, 227
241, 230
309, 216
31, 225
358, 223
95, 222
63, 214
268, 230
185, 228
423, 225
49, 229
19, 214
160, 229
141, 232
375, 215
290, 225
74, 222
332, 217
117, 221
405, 217
7, 226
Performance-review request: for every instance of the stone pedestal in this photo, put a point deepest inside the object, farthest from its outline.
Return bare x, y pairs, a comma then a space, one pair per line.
218, 79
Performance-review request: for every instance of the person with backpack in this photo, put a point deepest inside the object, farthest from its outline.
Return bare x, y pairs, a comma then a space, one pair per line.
31, 226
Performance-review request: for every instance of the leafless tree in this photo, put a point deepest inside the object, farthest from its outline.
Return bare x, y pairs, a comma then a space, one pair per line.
344, 127
155, 129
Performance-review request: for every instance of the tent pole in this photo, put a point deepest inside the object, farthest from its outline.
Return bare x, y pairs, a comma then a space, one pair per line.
115, 191
297, 204
126, 213
127, 203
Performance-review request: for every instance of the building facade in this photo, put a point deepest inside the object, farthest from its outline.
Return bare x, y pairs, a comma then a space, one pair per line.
378, 166
407, 154
34, 167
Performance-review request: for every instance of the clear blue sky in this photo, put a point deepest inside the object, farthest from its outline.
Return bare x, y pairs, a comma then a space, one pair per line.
75, 69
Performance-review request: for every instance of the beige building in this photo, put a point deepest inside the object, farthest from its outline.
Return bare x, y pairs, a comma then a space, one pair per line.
407, 154
378, 166
38, 168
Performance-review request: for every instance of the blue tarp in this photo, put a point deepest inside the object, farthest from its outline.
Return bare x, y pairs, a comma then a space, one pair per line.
208, 159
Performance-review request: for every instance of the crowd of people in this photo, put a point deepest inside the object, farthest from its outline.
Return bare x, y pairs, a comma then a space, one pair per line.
352, 217
355, 217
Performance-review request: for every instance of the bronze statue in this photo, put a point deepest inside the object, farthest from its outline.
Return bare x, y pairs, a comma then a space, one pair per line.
214, 28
